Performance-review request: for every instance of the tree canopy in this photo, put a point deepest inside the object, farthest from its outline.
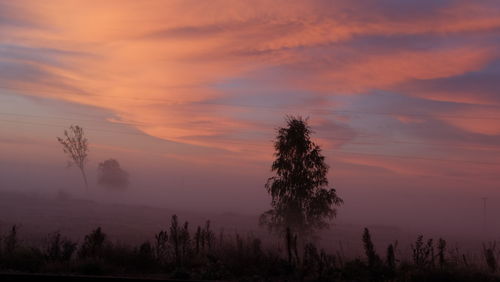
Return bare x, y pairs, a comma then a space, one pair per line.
301, 198
111, 175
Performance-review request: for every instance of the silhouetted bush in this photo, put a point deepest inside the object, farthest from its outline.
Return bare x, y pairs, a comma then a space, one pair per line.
490, 257
11, 242
178, 254
93, 246
59, 249
441, 252
423, 253
371, 255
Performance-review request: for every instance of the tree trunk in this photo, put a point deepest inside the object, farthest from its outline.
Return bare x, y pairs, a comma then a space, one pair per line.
85, 178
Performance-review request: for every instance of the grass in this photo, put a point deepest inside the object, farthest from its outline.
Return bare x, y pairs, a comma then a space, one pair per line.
181, 253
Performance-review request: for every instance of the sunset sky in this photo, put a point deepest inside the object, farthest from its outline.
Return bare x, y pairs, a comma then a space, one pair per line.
403, 95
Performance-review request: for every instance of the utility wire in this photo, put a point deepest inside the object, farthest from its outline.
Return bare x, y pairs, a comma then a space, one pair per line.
276, 108
416, 158
116, 122
331, 150
381, 143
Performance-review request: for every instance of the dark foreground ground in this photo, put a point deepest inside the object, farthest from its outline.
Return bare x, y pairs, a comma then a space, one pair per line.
83, 278
76, 278
43, 239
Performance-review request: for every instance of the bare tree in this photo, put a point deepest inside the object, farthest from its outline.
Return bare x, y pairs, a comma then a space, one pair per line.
76, 146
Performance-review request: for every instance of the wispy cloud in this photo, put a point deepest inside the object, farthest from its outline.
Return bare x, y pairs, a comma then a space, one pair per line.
219, 73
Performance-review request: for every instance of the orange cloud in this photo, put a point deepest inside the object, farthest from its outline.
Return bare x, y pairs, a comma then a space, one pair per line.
155, 63
385, 70
414, 167
477, 120
391, 166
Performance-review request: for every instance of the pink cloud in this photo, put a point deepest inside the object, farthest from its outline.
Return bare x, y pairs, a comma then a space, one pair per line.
154, 63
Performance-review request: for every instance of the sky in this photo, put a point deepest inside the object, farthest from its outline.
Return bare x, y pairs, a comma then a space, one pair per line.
403, 97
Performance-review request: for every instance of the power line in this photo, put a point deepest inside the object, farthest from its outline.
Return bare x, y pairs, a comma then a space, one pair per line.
379, 143
416, 158
484, 215
275, 108
117, 122
330, 150
62, 126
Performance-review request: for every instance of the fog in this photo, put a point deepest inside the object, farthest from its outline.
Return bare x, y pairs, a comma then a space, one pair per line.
52, 197
396, 198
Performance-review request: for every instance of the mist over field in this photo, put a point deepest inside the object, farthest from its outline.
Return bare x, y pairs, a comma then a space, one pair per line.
52, 198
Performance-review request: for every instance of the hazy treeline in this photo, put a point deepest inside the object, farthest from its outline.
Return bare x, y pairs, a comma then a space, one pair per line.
200, 253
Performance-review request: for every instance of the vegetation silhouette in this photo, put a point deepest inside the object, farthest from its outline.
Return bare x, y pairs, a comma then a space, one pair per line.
373, 258
76, 146
111, 175
301, 200
490, 257
174, 254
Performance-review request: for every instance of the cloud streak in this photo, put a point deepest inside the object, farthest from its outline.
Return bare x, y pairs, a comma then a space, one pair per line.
222, 74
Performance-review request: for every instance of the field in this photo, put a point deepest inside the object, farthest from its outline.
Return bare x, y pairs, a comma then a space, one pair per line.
60, 235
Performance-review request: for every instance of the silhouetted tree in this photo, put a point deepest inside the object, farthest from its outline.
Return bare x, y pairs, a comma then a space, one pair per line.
301, 199
111, 175
75, 145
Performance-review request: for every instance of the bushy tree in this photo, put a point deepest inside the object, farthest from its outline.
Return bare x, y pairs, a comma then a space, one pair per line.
301, 198
76, 146
111, 175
